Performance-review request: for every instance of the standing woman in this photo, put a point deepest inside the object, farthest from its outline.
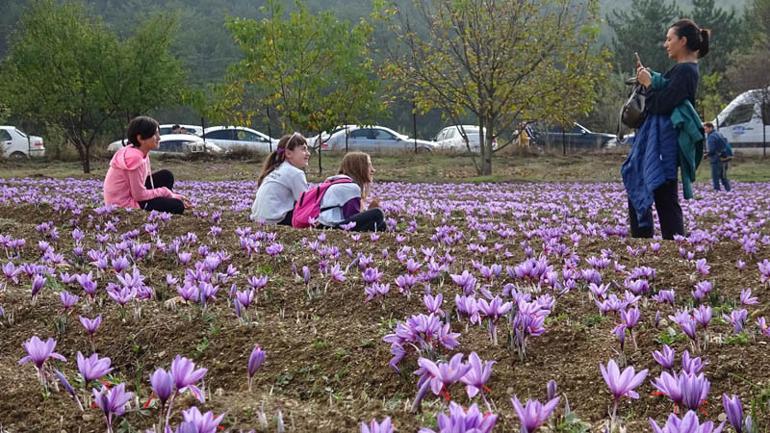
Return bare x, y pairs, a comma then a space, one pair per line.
342, 203
130, 182
671, 136
282, 181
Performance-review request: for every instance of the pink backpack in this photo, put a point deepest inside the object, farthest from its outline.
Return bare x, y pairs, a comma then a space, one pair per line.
309, 204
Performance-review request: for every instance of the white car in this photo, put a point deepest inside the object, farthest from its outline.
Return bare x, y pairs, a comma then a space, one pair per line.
175, 144
451, 139
16, 145
313, 141
231, 137
376, 139
166, 128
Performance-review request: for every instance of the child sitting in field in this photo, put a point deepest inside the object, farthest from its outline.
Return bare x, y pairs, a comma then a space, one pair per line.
130, 182
282, 181
343, 201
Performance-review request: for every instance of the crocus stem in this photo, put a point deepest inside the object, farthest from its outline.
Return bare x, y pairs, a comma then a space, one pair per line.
486, 401
160, 418
249, 382
170, 405
614, 413
420, 395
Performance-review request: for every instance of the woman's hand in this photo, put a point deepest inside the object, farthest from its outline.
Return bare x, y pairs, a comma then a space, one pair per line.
643, 76
186, 201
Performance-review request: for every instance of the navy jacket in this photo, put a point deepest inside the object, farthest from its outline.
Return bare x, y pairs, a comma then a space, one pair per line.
716, 146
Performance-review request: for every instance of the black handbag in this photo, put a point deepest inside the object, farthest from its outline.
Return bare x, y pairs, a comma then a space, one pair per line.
632, 113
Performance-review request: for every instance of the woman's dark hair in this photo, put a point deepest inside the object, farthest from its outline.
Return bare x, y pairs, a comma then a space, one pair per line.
697, 38
277, 156
142, 126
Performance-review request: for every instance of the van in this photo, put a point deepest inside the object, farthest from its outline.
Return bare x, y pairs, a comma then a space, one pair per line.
741, 121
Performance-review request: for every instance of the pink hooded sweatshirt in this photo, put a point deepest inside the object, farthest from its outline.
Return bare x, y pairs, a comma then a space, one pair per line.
124, 183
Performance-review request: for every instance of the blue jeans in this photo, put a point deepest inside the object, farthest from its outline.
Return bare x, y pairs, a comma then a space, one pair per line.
719, 174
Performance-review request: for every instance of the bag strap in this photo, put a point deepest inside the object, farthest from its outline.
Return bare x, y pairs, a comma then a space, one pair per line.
332, 183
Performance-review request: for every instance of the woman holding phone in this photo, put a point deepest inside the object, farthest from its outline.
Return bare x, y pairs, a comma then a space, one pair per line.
669, 137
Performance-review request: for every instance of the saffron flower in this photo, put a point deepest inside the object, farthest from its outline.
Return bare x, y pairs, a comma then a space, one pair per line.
669, 385
622, 384
459, 419
162, 383
534, 414
665, 357
186, 376
477, 376
256, 359
112, 402
374, 427
202, 422
93, 367
38, 352
747, 299
734, 410
695, 389
688, 424
91, 325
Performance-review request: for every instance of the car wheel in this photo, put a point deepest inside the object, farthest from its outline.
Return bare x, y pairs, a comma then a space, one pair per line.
423, 150
18, 156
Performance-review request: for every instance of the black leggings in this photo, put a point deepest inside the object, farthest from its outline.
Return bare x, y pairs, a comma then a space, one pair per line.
669, 213
162, 178
367, 221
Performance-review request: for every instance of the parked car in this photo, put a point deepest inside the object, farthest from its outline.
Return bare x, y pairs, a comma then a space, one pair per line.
231, 137
16, 145
376, 139
167, 128
313, 141
741, 121
577, 136
451, 139
176, 144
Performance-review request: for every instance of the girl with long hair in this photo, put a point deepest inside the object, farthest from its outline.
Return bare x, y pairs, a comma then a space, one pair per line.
342, 203
282, 181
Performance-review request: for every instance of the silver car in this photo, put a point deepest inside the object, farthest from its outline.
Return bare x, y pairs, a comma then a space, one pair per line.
231, 137
175, 144
376, 139
451, 139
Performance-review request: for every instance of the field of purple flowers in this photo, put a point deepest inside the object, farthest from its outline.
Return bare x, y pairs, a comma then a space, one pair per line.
484, 308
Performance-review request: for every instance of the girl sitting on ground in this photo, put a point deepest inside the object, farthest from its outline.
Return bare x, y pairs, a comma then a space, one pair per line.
282, 181
130, 182
342, 202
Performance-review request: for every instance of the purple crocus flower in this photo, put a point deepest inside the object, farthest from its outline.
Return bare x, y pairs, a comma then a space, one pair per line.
665, 357
702, 267
630, 317
186, 376
734, 411
692, 365
68, 300
477, 376
162, 383
763, 326
87, 283
764, 271
337, 274
669, 384
737, 318
443, 374
688, 424
695, 389
385, 426
702, 315
91, 325
112, 401
664, 297
702, 289
433, 304
256, 359
686, 323
204, 423
622, 384
93, 367
371, 275
461, 420
551, 389
534, 414
68, 388
38, 282
747, 299
38, 352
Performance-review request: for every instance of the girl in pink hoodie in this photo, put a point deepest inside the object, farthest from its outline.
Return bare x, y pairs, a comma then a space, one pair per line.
129, 182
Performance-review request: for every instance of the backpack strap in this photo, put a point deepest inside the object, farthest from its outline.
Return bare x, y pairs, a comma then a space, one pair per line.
332, 183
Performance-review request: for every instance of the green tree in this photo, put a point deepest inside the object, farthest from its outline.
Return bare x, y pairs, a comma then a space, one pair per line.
642, 29
66, 69
499, 61
313, 70
727, 30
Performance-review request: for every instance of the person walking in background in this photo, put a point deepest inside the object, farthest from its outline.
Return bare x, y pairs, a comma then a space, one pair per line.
282, 181
130, 182
671, 136
718, 155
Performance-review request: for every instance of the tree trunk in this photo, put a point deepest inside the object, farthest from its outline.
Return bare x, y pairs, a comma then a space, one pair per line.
485, 140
